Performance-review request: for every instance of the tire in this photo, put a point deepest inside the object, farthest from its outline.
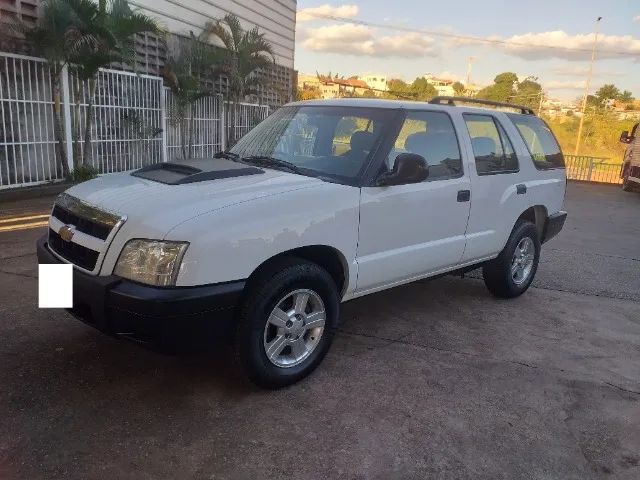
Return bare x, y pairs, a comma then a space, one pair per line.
498, 274
281, 285
626, 185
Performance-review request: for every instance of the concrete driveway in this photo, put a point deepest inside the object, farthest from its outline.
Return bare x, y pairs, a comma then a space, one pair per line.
432, 380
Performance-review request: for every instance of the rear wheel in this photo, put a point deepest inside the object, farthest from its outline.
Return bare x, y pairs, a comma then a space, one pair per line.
626, 184
287, 322
511, 273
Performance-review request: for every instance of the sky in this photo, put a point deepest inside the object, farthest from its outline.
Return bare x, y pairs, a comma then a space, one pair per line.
549, 39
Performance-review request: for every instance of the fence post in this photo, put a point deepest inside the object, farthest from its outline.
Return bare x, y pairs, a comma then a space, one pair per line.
223, 119
163, 120
590, 169
66, 110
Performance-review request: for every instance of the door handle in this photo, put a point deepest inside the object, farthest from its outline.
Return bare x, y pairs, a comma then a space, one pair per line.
521, 189
464, 195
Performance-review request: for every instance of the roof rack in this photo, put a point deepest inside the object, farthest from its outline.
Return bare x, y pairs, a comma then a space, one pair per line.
451, 101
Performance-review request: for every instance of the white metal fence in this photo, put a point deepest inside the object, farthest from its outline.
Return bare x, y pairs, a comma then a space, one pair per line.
27, 140
133, 125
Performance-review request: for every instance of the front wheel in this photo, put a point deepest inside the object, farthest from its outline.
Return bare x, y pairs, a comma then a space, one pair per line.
511, 273
287, 322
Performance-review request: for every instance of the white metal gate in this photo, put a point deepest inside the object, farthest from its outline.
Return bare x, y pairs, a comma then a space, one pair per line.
127, 129
132, 126
27, 140
207, 138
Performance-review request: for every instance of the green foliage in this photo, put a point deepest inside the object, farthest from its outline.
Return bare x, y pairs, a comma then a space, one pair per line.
601, 132
607, 92
82, 173
626, 97
246, 52
422, 90
458, 88
504, 88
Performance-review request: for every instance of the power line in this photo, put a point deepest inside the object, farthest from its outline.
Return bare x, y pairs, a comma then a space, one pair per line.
468, 38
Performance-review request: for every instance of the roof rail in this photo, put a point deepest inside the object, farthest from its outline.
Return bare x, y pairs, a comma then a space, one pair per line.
451, 101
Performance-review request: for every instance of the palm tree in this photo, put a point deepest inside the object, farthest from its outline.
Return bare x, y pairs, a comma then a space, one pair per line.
183, 73
101, 34
49, 38
245, 53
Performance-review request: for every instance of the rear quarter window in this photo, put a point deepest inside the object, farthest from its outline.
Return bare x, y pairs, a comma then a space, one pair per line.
540, 141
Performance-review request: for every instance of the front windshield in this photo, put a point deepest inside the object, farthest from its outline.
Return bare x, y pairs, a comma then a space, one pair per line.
330, 142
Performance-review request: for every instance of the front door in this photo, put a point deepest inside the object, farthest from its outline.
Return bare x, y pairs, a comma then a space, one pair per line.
410, 231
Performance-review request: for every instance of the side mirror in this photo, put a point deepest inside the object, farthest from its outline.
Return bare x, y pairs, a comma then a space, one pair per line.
409, 168
625, 138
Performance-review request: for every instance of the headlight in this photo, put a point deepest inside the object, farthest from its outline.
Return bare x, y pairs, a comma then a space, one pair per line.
153, 262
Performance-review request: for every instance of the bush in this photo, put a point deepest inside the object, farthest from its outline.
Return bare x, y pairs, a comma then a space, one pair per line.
82, 174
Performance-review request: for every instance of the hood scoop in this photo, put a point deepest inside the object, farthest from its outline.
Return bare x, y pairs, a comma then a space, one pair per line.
195, 170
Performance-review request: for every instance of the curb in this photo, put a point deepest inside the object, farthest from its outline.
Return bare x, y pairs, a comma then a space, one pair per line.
26, 193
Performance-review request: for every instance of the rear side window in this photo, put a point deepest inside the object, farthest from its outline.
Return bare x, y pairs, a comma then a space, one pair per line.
492, 148
542, 145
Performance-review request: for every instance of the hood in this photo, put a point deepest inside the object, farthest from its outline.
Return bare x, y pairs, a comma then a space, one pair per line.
161, 206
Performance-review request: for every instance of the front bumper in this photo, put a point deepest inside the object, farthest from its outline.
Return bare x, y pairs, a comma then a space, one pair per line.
170, 318
554, 224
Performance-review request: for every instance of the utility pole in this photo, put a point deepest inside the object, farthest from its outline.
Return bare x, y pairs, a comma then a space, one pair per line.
470, 61
587, 86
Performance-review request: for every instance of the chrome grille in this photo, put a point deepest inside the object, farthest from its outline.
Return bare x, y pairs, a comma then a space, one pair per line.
91, 232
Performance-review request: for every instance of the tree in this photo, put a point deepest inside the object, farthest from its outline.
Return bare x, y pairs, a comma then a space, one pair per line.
422, 90
458, 88
183, 74
397, 88
528, 93
49, 37
245, 53
503, 88
607, 92
626, 97
102, 33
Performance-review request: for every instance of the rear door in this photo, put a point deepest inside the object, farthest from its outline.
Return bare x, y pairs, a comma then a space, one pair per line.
499, 189
410, 231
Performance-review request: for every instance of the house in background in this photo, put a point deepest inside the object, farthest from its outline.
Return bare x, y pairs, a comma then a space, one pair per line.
377, 83
277, 19
442, 85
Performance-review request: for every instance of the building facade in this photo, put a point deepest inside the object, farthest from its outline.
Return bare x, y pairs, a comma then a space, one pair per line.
275, 18
443, 86
377, 83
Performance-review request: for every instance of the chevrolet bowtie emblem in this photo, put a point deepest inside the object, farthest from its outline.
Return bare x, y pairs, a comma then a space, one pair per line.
66, 233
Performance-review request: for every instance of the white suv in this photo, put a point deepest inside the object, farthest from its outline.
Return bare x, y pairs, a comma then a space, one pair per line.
322, 202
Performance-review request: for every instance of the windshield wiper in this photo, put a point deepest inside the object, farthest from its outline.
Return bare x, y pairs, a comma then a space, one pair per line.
266, 161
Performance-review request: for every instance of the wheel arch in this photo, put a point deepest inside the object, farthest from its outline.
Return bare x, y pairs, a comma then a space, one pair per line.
329, 258
537, 215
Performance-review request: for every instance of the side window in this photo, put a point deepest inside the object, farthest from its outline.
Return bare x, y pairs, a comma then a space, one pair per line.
430, 134
542, 145
492, 148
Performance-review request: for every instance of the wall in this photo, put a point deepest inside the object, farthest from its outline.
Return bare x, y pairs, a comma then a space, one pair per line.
276, 18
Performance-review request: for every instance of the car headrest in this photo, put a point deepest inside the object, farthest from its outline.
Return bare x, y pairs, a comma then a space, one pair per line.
362, 141
483, 146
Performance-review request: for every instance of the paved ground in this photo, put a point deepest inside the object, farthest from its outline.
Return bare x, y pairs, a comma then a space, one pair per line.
432, 380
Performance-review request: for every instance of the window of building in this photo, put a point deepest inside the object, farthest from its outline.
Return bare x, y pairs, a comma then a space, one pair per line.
492, 148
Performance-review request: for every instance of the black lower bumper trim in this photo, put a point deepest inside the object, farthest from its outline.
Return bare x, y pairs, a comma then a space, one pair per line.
554, 224
163, 316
